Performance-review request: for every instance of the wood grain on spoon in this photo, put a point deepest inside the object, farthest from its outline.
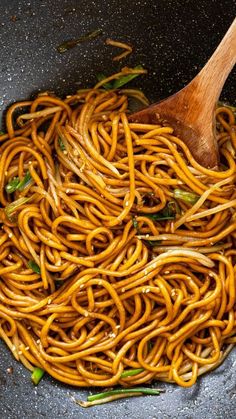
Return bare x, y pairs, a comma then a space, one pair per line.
191, 110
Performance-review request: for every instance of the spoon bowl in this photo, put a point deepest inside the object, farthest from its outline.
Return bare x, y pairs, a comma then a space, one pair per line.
191, 110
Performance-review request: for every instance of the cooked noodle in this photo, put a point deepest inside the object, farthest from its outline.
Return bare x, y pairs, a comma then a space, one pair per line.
96, 280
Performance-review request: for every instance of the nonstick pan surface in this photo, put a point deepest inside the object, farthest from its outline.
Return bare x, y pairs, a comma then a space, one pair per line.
172, 39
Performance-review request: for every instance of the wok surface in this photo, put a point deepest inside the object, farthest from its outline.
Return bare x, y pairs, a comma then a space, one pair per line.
172, 39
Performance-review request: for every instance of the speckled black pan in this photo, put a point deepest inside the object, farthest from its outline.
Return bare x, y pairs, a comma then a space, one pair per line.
172, 39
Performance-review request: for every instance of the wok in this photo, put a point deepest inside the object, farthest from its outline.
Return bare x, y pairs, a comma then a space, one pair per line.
172, 39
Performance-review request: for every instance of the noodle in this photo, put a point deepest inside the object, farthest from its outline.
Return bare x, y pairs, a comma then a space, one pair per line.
104, 268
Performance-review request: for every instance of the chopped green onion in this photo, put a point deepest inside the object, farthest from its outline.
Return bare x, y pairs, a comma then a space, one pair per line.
109, 396
143, 390
17, 184
135, 223
126, 79
61, 144
130, 373
153, 243
2, 132
168, 213
13, 206
12, 185
25, 182
71, 43
33, 265
108, 85
189, 197
37, 375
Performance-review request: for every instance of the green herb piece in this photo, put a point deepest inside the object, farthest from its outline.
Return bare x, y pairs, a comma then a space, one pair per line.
37, 375
108, 85
33, 265
61, 144
109, 396
168, 213
189, 197
25, 182
126, 78
71, 43
135, 223
13, 206
153, 243
17, 184
131, 373
2, 132
12, 185
142, 390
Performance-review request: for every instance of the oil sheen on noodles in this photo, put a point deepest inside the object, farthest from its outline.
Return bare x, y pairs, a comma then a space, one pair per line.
117, 249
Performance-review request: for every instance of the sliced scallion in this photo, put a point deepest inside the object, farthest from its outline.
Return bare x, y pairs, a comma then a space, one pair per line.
189, 197
37, 375
13, 206
16, 184
131, 373
34, 266
121, 81
109, 396
108, 85
61, 144
71, 43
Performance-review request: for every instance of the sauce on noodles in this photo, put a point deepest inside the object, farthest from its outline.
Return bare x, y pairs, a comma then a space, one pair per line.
117, 249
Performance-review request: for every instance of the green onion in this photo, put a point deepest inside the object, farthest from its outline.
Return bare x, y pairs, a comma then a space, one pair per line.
108, 85
12, 185
126, 79
109, 396
33, 265
61, 144
2, 132
17, 184
153, 243
25, 182
71, 43
13, 206
37, 375
168, 213
189, 197
135, 223
130, 373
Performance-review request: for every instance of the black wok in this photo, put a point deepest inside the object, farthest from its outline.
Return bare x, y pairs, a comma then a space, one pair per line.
172, 39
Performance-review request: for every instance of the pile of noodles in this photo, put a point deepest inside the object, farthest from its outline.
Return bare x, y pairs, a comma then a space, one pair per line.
98, 285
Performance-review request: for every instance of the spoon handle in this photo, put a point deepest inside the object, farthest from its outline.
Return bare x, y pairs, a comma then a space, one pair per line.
212, 77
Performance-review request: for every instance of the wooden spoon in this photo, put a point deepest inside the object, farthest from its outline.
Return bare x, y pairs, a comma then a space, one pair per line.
191, 110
